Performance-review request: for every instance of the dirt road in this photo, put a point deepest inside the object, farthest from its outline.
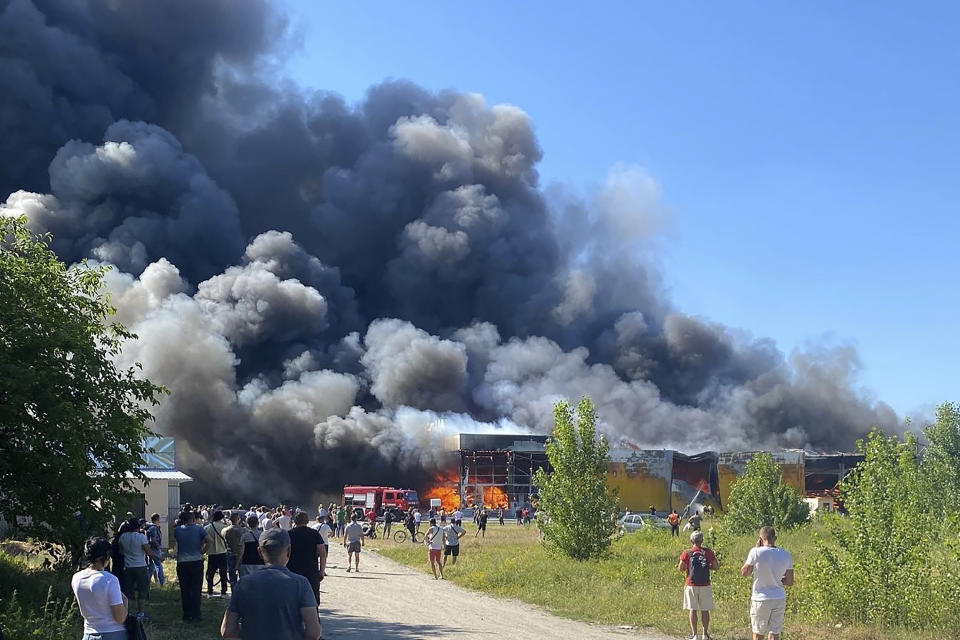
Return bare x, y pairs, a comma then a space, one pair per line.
388, 600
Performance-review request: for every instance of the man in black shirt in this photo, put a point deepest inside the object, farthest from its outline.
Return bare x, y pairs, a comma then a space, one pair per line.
306, 545
482, 523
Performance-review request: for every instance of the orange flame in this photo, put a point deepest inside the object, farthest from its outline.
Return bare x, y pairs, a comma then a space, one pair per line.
445, 489
495, 497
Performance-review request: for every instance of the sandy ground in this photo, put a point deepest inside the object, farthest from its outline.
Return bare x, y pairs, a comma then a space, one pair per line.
388, 600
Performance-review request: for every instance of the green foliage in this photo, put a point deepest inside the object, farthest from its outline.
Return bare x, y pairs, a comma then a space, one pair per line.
71, 424
35, 602
578, 512
636, 582
56, 619
942, 459
761, 498
888, 565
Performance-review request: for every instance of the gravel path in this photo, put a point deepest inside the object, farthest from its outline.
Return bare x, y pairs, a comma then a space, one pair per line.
388, 600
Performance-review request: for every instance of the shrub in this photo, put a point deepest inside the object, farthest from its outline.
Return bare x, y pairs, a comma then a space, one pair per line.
36, 603
580, 511
760, 498
889, 566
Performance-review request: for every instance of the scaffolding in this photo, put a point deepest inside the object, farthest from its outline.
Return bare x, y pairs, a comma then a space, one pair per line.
497, 471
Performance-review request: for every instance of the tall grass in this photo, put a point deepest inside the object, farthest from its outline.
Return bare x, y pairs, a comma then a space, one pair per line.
38, 603
637, 583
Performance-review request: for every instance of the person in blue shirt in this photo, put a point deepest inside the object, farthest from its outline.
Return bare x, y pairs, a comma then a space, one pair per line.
273, 603
190, 543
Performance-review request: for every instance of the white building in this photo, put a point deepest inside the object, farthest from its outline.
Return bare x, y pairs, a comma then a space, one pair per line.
162, 494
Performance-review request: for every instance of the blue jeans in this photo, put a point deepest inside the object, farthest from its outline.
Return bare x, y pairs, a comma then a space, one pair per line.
157, 570
232, 568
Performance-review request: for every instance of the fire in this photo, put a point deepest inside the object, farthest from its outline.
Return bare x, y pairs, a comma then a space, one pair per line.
494, 497
445, 489
446, 485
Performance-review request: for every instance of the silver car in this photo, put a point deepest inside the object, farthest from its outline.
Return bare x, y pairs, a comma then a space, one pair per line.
635, 521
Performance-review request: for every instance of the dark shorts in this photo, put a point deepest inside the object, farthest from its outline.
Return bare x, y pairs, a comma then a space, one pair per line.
451, 550
136, 580
354, 547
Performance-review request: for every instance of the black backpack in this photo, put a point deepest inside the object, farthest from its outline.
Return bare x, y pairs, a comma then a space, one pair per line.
698, 567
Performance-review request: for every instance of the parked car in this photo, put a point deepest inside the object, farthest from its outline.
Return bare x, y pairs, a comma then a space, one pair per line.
636, 521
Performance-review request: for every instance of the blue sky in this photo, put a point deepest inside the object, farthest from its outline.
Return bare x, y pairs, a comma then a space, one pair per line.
809, 152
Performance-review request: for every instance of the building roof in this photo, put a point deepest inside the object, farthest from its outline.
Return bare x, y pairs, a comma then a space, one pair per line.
164, 474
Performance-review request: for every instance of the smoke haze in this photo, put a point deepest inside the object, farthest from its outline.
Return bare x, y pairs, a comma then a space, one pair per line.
328, 289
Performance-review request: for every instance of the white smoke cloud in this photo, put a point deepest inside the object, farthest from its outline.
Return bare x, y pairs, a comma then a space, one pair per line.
410, 367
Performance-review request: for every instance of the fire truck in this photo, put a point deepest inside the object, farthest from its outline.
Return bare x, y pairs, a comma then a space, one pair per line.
379, 498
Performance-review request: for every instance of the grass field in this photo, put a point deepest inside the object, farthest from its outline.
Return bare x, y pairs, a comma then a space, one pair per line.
21, 574
637, 584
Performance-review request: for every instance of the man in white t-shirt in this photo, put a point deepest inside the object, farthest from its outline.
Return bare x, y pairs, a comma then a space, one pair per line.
353, 541
771, 568
285, 521
416, 519
457, 517
434, 542
136, 569
451, 540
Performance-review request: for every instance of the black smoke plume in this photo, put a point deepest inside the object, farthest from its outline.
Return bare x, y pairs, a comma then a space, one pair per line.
328, 289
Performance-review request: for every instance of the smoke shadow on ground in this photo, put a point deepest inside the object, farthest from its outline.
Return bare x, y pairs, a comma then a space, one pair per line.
340, 626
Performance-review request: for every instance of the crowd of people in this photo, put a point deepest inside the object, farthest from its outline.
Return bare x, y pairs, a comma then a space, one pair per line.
271, 562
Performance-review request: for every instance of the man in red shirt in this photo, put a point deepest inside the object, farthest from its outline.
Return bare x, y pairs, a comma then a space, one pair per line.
697, 563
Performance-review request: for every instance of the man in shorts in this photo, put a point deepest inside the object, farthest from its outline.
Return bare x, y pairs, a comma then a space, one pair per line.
697, 563
771, 568
451, 539
353, 541
434, 541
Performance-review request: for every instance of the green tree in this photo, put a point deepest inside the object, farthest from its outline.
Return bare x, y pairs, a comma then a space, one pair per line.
578, 512
760, 498
72, 426
942, 460
889, 565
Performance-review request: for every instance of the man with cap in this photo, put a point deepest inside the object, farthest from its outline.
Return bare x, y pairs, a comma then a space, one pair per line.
273, 603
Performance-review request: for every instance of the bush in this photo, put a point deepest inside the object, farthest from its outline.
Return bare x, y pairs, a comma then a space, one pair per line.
578, 513
889, 565
36, 603
56, 619
761, 498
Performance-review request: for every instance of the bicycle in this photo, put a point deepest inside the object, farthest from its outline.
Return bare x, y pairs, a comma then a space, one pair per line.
401, 535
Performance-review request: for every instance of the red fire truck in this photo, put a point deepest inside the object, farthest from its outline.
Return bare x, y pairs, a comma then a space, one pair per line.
379, 498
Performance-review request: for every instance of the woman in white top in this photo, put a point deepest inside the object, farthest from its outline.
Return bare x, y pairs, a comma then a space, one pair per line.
102, 605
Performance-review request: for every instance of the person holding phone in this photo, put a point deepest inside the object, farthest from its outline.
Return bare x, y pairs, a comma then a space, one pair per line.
772, 569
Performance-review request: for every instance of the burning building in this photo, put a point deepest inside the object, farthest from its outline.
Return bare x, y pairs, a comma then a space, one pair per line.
496, 470
493, 470
663, 479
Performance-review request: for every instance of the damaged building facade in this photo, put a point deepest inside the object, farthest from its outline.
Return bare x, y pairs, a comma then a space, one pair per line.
497, 470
